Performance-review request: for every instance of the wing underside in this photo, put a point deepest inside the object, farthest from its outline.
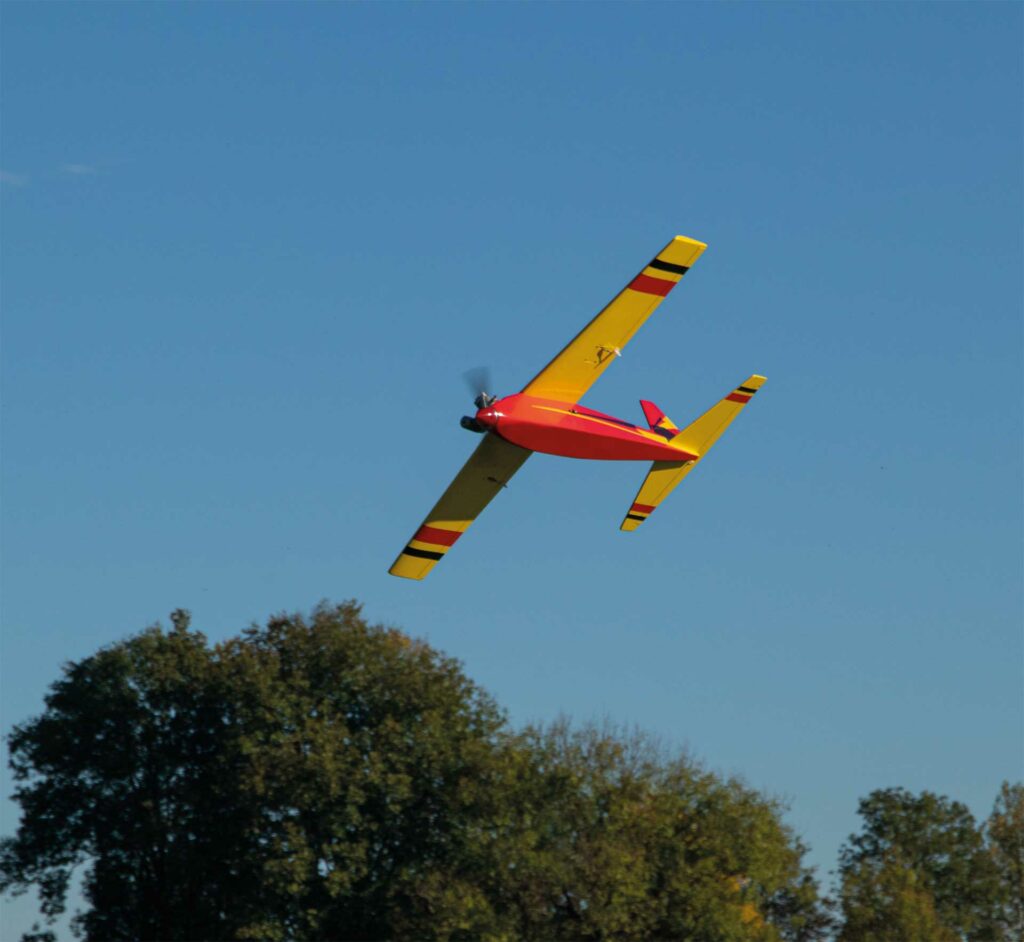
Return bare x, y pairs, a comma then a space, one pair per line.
485, 473
570, 374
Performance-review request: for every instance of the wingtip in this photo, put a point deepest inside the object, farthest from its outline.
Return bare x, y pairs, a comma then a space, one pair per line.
402, 570
689, 240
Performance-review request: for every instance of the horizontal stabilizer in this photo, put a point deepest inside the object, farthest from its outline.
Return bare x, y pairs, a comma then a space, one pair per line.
660, 480
696, 440
698, 437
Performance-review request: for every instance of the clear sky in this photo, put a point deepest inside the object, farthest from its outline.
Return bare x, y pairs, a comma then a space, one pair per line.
248, 251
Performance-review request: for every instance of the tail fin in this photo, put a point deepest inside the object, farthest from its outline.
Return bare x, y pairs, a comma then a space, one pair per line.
657, 420
695, 439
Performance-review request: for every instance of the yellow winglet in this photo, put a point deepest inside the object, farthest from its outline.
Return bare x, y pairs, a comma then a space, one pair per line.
696, 439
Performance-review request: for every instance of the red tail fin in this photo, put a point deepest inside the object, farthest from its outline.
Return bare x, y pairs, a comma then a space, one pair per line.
656, 419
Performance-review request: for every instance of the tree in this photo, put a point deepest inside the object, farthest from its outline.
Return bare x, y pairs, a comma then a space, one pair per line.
887, 901
255, 789
124, 770
323, 778
370, 763
1005, 833
917, 870
615, 838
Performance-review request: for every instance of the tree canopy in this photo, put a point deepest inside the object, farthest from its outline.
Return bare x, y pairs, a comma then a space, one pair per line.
921, 869
323, 778
1005, 833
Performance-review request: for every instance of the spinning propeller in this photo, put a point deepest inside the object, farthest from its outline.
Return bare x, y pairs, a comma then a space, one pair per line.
478, 380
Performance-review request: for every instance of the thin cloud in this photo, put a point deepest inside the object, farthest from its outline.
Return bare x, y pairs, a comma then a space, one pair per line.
13, 179
78, 170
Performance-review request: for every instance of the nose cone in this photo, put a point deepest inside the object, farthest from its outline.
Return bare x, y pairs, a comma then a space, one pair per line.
488, 418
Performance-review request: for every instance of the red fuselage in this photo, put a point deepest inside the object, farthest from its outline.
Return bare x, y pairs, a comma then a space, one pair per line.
573, 431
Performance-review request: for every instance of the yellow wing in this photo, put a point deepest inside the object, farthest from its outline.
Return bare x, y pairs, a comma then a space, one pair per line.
570, 374
487, 472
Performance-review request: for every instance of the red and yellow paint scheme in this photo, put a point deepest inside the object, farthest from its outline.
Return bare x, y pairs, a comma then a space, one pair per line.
547, 417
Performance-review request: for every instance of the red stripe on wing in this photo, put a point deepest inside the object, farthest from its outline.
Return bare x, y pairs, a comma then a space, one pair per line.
649, 285
436, 535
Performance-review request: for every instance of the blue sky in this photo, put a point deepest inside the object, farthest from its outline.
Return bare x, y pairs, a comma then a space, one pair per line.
248, 251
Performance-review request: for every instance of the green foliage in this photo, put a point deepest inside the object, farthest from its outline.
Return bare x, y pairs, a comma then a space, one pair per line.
886, 901
1005, 833
368, 764
323, 778
918, 870
613, 838
124, 769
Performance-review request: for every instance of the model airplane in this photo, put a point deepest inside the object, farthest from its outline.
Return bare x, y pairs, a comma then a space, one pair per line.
546, 416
